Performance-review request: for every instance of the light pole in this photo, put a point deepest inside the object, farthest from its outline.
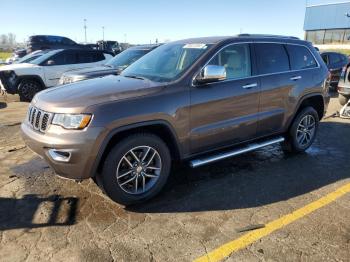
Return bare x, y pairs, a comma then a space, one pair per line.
103, 33
85, 30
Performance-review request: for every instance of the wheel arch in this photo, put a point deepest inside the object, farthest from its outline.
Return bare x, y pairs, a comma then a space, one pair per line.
161, 128
314, 100
31, 77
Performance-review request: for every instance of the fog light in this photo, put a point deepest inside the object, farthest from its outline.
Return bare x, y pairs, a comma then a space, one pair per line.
60, 155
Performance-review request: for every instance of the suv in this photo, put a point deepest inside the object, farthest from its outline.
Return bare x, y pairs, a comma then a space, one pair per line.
344, 86
43, 42
27, 79
113, 67
199, 100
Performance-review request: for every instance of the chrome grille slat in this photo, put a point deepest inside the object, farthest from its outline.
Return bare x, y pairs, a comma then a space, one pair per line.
38, 119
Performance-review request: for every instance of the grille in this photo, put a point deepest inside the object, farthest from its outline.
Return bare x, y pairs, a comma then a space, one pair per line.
38, 119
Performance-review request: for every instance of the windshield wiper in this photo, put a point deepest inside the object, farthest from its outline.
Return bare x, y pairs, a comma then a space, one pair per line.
136, 77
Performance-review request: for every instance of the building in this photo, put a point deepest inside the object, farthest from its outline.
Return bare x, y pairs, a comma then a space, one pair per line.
328, 24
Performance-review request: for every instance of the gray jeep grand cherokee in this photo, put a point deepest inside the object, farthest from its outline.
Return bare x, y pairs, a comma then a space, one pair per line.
199, 100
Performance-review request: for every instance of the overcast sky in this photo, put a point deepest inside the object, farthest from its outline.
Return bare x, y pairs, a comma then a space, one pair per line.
140, 21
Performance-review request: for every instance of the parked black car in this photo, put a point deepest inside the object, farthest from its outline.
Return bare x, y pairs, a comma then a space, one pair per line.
335, 63
43, 42
113, 67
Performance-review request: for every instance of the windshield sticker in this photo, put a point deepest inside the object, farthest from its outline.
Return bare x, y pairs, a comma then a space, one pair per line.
197, 46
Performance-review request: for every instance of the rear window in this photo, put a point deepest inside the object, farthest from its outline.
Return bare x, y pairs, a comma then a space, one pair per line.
300, 57
272, 58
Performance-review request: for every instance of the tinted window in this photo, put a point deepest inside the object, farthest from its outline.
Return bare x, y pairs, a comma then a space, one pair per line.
85, 57
272, 58
300, 57
63, 58
236, 60
335, 58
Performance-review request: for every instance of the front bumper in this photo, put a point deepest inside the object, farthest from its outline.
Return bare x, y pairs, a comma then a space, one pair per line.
79, 144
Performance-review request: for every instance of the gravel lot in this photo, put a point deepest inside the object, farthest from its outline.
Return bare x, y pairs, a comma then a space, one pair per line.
46, 218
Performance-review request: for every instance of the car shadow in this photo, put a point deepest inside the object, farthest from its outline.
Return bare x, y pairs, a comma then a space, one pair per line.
258, 178
34, 211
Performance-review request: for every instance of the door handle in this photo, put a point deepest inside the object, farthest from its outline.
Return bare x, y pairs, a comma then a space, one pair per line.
250, 86
295, 78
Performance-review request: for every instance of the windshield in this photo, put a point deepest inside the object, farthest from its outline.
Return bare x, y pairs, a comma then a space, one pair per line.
166, 63
43, 57
126, 58
31, 56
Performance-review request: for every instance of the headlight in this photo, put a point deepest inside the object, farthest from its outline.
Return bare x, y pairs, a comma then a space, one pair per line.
69, 121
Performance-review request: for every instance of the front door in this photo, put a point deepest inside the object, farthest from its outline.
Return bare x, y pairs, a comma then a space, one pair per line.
226, 112
57, 65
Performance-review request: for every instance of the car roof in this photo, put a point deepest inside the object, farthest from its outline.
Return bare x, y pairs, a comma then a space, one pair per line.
218, 39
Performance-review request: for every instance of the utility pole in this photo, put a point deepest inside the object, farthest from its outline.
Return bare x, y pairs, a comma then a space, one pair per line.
85, 30
103, 33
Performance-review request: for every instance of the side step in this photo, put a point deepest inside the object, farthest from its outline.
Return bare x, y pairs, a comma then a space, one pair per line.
250, 147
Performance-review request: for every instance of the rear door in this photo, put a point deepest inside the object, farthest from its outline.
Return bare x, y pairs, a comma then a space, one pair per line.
55, 66
276, 84
285, 70
226, 112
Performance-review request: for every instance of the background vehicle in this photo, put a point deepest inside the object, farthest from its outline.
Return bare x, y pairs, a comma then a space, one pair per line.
31, 56
27, 79
16, 55
113, 67
111, 46
344, 86
43, 42
193, 100
335, 63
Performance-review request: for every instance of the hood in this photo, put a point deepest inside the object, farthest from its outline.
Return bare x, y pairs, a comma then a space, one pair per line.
16, 66
92, 72
76, 97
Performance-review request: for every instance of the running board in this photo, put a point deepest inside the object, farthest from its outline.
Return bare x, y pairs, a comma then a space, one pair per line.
250, 147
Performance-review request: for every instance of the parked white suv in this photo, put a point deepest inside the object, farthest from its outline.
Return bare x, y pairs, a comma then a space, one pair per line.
27, 79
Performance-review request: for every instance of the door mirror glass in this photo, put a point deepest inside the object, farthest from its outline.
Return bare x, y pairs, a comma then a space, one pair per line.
212, 73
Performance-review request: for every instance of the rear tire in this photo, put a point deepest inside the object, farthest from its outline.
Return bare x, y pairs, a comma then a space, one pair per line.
302, 132
343, 99
27, 89
142, 159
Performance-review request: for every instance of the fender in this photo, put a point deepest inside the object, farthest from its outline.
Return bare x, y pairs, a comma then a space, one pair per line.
117, 130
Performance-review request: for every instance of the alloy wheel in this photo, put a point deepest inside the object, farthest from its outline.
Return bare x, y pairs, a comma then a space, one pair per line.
138, 170
306, 130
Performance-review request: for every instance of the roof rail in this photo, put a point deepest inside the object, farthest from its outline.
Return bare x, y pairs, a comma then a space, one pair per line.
272, 36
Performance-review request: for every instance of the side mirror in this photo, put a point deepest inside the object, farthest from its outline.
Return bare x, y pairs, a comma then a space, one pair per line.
211, 73
50, 62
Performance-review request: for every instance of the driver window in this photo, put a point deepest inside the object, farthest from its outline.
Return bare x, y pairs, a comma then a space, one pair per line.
236, 60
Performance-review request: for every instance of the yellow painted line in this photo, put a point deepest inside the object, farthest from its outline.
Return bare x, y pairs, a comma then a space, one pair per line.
251, 237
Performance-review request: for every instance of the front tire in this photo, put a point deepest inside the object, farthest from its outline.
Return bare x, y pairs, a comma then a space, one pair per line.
27, 89
302, 132
136, 169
